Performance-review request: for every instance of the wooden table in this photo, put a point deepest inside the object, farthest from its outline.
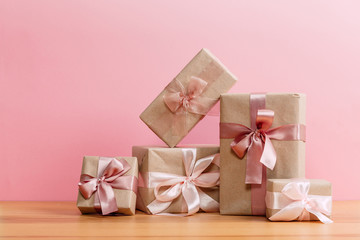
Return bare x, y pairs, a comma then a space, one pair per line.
62, 220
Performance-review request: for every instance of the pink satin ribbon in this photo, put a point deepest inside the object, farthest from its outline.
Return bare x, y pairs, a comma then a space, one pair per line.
110, 176
188, 186
256, 140
295, 203
181, 101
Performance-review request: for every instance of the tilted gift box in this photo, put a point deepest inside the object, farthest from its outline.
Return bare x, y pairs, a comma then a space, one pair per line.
250, 123
189, 171
298, 199
188, 97
108, 185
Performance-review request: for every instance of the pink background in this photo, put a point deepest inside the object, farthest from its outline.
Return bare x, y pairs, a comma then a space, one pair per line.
75, 75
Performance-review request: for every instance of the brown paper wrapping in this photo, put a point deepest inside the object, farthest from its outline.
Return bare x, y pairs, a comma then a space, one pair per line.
169, 160
125, 199
204, 65
317, 187
289, 108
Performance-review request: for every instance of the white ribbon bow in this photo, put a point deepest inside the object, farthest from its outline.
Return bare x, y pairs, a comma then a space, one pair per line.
296, 204
188, 186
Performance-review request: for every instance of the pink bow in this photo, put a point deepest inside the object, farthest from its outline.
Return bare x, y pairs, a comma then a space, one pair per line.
111, 177
188, 186
295, 203
181, 101
256, 141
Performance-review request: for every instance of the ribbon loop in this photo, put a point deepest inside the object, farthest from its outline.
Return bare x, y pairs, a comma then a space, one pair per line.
296, 190
191, 197
264, 119
170, 194
187, 186
87, 185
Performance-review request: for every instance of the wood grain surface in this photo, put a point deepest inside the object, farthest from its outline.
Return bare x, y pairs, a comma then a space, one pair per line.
62, 220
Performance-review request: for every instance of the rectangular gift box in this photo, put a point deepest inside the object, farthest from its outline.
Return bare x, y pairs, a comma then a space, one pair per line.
125, 199
319, 190
237, 197
153, 160
158, 116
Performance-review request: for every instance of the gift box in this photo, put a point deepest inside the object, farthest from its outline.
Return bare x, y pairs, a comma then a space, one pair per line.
188, 98
178, 180
298, 199
108, 185
261, 136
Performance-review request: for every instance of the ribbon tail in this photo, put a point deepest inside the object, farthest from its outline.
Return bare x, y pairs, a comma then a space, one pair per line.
253, 165
164, 200
207, 204
191, 197
156, 206
319, 215
289, 213
240, 146
268, 157
107, 199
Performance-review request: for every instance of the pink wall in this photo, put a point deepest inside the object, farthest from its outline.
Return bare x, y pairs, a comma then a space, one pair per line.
75, 75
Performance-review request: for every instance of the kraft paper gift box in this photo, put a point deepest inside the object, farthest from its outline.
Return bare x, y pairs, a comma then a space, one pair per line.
165, 168
108, 185
260, 126
188, 98
298, 199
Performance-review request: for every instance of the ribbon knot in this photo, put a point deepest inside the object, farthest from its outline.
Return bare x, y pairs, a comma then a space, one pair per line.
111, 177
189, 179
171, 186
255, 141
185, 101
100, 180
296, 203
259, 135
181, 101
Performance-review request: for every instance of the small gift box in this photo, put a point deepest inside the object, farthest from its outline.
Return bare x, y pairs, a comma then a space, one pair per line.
298, 199
178, 180
261, 136
108, 185
188, 98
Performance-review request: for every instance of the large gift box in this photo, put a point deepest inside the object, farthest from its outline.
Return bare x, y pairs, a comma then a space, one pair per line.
261, 136
178, 180
108, 185
188, 98
298, 199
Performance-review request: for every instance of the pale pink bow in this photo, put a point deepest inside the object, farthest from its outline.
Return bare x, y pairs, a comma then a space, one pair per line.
181, 101
111, 177
301, 203
188, 186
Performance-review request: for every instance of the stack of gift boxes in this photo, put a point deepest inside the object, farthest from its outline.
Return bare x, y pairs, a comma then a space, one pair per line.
258, 169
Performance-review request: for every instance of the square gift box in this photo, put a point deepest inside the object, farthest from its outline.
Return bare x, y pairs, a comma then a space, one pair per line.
188, 98
108, 185
298, 199
172, 179
261, 136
